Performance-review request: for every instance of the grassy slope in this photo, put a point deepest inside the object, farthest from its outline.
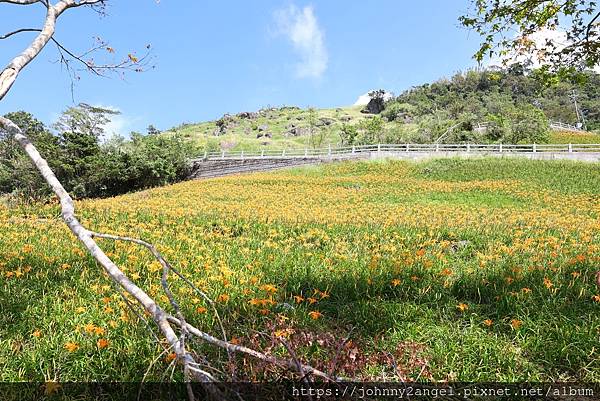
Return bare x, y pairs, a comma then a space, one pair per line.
243, 134
461, 269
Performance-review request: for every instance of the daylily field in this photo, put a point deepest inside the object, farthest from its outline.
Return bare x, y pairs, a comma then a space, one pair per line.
466, 270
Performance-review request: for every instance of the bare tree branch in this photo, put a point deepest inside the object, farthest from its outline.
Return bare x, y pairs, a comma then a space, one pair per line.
8, 35
20, 2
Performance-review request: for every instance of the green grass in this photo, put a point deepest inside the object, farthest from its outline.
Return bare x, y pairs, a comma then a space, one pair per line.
412, 259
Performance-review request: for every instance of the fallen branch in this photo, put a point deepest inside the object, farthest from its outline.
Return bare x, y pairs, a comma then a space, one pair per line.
287, 364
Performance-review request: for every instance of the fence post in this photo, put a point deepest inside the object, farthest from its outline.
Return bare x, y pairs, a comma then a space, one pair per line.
570, 148
329, 150
222, 154
468, 147
534, 148
262, 153
353, 149
205, 155
407, 147
437, 147
500, 147
283, 153
242, 155
378, 148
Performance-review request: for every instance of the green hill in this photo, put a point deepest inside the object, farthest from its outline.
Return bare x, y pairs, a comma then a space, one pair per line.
279, 128
515, 106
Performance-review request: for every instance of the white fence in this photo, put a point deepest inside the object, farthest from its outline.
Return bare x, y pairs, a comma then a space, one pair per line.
558, 126
356, 151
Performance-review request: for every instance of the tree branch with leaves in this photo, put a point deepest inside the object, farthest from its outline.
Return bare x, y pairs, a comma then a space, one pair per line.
559, 35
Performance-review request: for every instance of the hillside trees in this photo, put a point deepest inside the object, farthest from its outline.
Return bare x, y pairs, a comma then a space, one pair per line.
474, 97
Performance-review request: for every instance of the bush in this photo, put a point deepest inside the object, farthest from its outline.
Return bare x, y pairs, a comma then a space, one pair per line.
394, 111
519, 124
348, 134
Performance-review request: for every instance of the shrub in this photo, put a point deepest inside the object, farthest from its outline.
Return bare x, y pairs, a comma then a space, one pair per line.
395, 111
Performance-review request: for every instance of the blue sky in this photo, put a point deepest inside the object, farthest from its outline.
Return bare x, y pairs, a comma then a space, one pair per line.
229, 56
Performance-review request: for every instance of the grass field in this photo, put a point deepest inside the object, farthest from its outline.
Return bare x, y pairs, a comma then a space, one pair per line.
574, 137
443, 270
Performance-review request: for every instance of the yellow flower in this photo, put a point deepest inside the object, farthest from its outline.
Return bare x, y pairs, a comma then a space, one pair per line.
462, 307
89, 328
223, 298
71, 347
269, 288
201, 309
99, 331
36, 333
102, 343
396, 282
80, 309
516, 323
314, 315
488, 322
548, 283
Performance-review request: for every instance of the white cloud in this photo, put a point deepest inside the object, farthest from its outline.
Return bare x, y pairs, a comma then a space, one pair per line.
119, 124
301, 27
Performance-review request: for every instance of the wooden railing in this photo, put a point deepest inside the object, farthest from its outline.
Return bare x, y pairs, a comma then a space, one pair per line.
350, 151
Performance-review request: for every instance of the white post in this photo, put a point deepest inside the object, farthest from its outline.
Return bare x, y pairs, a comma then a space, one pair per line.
329, 150
222, 154
205, 155
353, 149
407, 147
378, 148
242, 155
468, 147
501, 147
305, 152
283, 153
437, 147
570, 148
534, 148
262, 153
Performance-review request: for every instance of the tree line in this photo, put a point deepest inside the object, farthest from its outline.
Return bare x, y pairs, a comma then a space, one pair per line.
87, 163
